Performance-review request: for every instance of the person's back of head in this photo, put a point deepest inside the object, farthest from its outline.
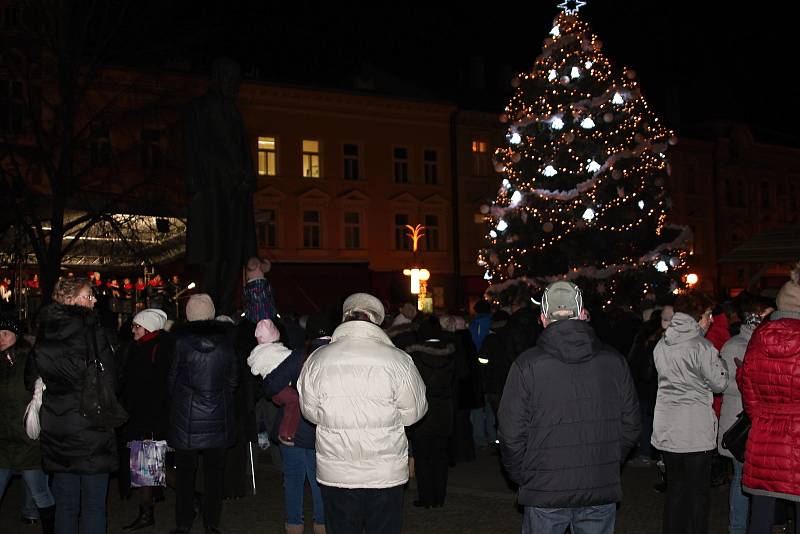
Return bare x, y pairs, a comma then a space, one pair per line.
482, 307
562, 300
363, 307
694, 304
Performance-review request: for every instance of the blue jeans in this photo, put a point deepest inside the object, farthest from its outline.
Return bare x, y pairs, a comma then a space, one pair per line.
484, 425
299, 464
739, 502
35, 480
586, 520
81, 496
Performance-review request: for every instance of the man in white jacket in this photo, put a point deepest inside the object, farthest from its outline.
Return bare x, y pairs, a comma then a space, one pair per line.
361, 392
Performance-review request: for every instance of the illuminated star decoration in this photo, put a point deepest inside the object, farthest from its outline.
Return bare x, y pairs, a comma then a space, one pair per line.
571, 10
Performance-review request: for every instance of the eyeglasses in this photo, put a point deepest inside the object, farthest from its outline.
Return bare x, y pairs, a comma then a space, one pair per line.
88, 297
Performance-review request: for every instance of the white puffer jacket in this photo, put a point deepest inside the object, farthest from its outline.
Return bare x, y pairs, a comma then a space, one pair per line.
361, 392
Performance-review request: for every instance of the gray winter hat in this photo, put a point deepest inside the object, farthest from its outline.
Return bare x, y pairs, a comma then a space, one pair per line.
562, 300
365, 303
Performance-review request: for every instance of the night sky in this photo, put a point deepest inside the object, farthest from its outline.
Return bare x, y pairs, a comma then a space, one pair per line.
698, 61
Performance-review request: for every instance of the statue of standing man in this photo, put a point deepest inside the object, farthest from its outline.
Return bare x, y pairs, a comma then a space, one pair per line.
220, 182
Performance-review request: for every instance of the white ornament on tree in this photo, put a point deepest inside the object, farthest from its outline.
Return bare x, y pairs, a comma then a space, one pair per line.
493, 234
556, 31
587, 123
501, 225
557, 123
549, 171
641, 204
553, 75
617, 99
575, 72
515, 138
592, 166
662, 266
588, 215
516, 198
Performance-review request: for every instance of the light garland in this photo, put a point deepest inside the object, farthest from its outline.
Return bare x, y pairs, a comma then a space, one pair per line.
582, 126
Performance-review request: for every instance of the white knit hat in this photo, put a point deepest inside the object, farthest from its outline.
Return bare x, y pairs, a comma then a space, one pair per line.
200, 307
150, 319
365, 303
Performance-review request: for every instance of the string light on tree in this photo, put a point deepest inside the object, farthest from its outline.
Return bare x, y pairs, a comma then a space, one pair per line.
583, 174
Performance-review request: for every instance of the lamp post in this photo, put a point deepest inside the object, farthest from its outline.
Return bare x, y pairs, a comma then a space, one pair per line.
418, 276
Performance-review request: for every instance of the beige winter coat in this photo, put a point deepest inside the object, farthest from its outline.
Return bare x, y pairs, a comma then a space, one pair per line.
689, 372
361, 392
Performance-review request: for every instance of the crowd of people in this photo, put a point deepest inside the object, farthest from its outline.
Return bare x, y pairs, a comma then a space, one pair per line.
363, 400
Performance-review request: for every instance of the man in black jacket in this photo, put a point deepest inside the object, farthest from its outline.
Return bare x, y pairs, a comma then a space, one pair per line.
568, 418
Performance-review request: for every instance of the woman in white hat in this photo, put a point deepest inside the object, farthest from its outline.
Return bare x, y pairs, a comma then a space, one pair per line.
146, 362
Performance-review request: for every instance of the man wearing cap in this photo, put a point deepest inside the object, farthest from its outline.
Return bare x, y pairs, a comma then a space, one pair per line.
568, 418
361, 392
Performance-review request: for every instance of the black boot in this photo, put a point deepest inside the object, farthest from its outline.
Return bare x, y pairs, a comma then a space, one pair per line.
145, 519
47, 516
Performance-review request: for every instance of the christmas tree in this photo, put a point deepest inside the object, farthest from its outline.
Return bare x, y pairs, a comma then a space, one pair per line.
582, 194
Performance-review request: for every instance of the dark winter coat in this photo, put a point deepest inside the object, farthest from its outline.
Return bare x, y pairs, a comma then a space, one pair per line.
568, 418
69, 442
642, 364
521, 331
17, 451
500, 357
770, 386
436, 362
145, 396
248, 390
286, 374
202, 380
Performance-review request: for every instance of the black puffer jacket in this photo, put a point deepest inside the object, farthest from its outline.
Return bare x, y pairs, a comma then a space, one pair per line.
436, 362
202, 380
568, 417
70, 444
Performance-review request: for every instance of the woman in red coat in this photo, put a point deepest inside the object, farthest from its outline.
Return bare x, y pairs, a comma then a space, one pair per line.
770, 386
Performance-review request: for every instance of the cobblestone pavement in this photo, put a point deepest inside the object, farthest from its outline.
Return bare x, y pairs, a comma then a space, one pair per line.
478, 501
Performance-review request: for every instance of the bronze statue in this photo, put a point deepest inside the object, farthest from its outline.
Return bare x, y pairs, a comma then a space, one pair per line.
220, 182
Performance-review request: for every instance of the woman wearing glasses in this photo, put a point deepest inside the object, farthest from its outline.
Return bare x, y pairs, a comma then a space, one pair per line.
80, 455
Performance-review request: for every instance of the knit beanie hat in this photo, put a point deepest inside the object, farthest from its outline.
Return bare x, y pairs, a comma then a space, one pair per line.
200, 307
364, 303
788, 298
267, 332
150, 319
10, 324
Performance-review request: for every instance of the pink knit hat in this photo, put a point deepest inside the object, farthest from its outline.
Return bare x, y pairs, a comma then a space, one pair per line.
267, 332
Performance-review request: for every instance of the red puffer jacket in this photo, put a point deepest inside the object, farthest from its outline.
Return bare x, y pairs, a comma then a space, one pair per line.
770, 386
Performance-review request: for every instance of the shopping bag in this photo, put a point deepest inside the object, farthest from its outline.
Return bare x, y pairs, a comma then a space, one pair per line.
147, 463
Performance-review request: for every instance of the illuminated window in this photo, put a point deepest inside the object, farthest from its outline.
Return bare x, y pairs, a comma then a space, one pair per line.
401, 242
351, 163
311, 168
481, 159
431, 161
432, 232
352, 230
267, 157
401, 165
312, 229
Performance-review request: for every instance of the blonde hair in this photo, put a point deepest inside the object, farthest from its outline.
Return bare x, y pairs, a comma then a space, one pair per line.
67, 289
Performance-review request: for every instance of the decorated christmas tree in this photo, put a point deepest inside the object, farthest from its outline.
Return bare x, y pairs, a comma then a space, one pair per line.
582, 194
